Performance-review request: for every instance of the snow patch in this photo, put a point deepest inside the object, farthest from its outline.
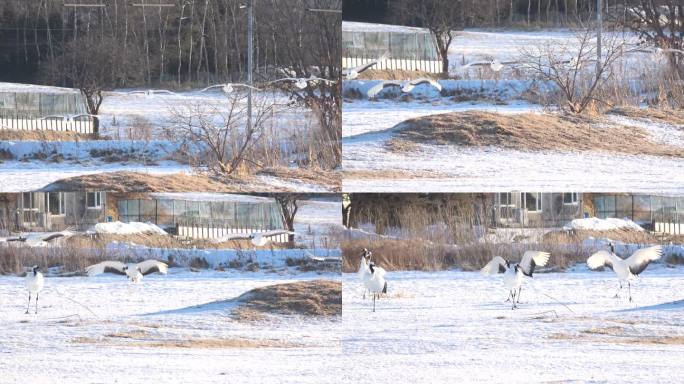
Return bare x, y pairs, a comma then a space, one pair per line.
596, 224
132, 228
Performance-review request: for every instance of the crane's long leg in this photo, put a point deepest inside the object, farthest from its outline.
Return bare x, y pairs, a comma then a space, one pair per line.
36, 303
29, 304
629, 289
519, 290
513, 299
374, 302
617, 294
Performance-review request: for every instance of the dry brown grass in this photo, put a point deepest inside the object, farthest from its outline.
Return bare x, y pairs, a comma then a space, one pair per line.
142, 339
307, 298
388, 174
417, 254
156, 240
617, 335
331, 180
70, 259
131, 182
396, 74
531, 132
667, 116
8, 134
126, 182
623, 235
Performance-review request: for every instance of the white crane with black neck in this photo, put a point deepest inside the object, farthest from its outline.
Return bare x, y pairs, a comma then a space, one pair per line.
625, 269
34, 284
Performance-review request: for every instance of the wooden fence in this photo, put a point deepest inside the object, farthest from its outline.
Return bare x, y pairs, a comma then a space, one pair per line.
670, 228
85, 126
215, 230
430, 66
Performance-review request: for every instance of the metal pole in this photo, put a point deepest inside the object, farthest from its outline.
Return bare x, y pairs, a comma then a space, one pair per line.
250, 53
599, 19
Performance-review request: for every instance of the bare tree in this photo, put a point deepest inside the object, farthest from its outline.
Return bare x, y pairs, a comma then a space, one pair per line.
574, 69
440, 17
660, 23
311, 46
87, 64
219, 135
289, 205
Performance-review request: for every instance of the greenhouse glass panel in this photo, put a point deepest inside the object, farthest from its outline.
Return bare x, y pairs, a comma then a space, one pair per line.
165, 212
179, 208
148, 210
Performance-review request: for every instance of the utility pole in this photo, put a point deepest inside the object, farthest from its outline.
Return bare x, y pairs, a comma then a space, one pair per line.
599, 20
250, 58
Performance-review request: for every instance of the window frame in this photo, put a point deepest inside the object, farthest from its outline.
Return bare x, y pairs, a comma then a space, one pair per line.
574, 198
509, 198
539, 206
62, 204
98, 200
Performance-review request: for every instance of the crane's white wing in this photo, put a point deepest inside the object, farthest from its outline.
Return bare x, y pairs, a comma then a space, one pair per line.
233, 236
642, 258
379, 272
259, 240
600, 259
116, 267
366, 66
497, 265
212, 87
531, 259
363, 268
152, 266
275, 232
377, 88
413, 83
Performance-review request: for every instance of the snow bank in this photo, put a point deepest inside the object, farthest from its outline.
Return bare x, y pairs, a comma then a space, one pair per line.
494, 89
596, 224
132, 228
215, 257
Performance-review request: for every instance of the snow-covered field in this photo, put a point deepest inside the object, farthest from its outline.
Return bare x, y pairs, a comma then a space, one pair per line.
367, 127
95, 329
370, 166
455, 327
135, 125
122, 113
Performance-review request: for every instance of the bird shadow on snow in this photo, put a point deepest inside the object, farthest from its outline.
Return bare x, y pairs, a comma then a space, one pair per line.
677, 305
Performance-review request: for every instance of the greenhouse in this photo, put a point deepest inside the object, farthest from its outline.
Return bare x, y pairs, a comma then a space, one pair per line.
408, 48
37, 107
203, 215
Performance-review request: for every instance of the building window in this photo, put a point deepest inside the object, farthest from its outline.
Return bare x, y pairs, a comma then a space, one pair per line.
29, 206
506, 199
533, 201
55, 203
28, 203
571, 198
94, 200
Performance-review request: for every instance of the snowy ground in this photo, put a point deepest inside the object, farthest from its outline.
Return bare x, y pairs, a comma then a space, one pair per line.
122, 113
367, 127
317, 220
455, 327
480, 45
135, 124
74, 336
